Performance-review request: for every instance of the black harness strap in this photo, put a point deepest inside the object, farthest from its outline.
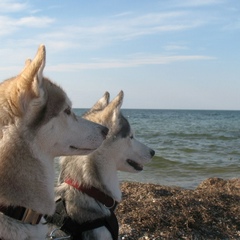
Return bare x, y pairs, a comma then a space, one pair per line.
111, 223
25, 215
61, 219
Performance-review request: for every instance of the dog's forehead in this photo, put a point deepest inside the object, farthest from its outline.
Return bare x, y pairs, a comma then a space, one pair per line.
57, 98
56, 101
124, 126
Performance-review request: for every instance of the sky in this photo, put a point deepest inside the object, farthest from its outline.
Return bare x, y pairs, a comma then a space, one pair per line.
165, 54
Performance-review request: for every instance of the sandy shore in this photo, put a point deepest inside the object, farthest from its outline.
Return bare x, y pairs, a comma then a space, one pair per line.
211, 211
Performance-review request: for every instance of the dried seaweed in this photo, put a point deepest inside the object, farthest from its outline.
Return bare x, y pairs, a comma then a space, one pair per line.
211, 211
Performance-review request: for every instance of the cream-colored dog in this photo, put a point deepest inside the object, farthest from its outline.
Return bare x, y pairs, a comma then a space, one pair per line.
36, 125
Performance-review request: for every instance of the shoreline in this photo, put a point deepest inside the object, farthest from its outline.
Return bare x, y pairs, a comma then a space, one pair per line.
152, 211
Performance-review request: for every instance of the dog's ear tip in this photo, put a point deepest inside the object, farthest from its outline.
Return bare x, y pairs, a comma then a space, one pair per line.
106, 97
121, 94
41, 52
42, 47
28, 61
107, 94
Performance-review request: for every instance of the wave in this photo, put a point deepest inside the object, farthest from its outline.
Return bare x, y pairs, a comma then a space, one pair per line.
202, 136
160, 163
188, 150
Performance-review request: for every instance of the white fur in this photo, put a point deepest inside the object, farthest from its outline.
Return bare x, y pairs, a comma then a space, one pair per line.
99, 169
37, 125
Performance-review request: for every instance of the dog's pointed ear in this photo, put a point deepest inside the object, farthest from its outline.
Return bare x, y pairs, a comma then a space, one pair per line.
101, 103
116, 103
33, 70
97, 107
29, 81
114, 107
27, 63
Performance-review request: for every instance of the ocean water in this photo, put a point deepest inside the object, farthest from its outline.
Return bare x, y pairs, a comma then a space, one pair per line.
190, 145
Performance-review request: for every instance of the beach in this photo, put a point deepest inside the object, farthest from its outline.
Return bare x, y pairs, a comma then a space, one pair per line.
152, 211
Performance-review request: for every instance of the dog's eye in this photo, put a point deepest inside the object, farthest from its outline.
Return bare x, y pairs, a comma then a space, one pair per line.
68, 111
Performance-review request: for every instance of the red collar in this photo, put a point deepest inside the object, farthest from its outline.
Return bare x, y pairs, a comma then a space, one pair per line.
93, 192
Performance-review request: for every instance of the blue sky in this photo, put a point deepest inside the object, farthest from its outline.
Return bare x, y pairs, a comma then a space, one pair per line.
166, 54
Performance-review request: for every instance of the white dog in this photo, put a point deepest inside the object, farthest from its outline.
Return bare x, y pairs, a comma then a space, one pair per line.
36, 125
88, 187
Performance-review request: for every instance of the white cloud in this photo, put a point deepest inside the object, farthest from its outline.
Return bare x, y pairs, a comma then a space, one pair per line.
9, 25
125, 63
174, 47
98, 33
36, 22
7, 6
123, 14
196, 3
11, 22
6, 26
154, 23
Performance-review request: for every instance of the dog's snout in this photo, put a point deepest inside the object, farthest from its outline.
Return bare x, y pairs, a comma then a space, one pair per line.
104, 131
152, 152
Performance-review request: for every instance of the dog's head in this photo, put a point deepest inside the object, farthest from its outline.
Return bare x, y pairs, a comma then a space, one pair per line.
42, 111
130, 154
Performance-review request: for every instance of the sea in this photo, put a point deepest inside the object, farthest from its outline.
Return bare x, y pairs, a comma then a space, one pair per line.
190, 145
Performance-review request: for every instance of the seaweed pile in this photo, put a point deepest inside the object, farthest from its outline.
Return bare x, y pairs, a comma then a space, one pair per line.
211, 211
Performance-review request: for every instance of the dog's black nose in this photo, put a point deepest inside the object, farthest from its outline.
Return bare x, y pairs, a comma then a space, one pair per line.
152, 152
104, 131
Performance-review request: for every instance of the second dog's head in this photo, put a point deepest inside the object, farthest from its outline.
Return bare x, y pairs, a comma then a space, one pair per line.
129, 153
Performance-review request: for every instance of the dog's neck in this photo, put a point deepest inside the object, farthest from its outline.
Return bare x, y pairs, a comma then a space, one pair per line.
95, 193
97, 169
26, 180
106, 171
